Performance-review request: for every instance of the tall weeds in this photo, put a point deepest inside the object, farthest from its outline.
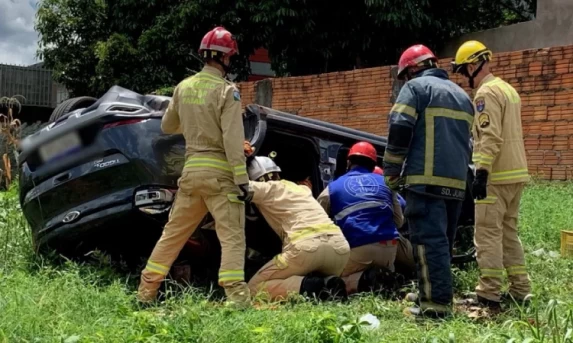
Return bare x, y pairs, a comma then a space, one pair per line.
10, 129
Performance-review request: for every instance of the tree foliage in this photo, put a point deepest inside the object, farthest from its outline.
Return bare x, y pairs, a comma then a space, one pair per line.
145, 45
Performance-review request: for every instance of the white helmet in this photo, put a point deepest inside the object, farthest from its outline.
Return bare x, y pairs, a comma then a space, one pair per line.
261, 166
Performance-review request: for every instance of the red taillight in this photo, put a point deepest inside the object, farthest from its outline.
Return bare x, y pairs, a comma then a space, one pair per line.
122, 122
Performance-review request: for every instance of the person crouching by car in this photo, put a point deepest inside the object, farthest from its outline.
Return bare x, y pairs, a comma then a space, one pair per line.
368, 213
312, 243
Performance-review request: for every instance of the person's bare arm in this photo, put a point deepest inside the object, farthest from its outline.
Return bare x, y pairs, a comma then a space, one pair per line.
398, 215
324, 200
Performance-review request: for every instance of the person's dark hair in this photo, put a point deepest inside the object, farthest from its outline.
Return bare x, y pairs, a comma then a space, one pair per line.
361, 161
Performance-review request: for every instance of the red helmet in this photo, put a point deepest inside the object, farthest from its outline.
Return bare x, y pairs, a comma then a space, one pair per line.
363, 149
414, 56
378, 170
219, 40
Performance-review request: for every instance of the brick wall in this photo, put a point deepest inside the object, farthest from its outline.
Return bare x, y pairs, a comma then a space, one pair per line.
362, 98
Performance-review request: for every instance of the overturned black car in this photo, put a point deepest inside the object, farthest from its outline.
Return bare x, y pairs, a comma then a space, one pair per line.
103, 175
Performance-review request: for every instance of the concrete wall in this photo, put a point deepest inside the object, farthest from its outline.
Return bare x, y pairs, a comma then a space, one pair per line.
553, 26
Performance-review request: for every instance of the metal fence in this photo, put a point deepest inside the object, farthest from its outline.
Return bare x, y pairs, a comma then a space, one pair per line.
34, 83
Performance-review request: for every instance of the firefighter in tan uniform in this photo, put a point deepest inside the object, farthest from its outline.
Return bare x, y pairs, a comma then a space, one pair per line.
501, 174
207, 110
312, 243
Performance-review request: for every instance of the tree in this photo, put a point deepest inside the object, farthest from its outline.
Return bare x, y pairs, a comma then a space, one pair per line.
145, 45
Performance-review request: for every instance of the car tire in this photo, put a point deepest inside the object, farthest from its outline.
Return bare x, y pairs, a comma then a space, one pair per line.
70, 105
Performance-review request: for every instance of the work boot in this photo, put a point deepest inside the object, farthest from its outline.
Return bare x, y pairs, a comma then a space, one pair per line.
476, 300
238, 296
512, 299
334, 287
311, 286
418, 312
380, 280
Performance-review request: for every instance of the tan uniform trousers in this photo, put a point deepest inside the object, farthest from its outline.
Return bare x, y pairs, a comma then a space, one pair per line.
380, 254
497, 243
199, 193
326, 254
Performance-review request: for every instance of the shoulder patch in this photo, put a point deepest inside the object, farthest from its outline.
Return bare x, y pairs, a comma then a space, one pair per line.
483, 120
236, 95
480, 104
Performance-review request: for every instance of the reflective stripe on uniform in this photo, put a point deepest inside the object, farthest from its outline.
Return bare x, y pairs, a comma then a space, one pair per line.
234, 198
509, 175
316, 229
491, 273
157, 268
480, 158
240, 170
431, 114
404, 109
199, 162
280, 261
435, 181
391, 158
487, 200
209, 77
359, 206
516, 270
449, 113
231, 276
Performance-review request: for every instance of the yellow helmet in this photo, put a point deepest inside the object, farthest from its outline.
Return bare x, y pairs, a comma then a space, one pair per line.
470, 52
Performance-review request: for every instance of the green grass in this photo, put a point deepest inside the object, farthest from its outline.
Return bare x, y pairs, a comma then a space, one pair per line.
67, 302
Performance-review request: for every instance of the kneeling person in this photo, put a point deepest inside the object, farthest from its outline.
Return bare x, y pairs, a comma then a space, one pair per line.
368, 213
312, 243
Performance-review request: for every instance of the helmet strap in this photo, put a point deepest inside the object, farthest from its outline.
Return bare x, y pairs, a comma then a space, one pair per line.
475, 73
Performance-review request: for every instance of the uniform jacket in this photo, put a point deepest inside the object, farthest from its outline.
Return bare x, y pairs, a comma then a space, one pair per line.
207, 110
497, 132
363, 207
291, 210
430, 126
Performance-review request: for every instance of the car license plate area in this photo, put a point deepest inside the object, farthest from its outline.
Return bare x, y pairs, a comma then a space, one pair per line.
61, 147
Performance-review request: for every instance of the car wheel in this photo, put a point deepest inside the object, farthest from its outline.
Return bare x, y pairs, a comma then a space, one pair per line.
70, 105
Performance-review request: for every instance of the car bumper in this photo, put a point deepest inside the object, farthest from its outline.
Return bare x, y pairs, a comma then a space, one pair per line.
109, 223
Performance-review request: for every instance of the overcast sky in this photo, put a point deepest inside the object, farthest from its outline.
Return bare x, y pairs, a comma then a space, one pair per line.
18, 40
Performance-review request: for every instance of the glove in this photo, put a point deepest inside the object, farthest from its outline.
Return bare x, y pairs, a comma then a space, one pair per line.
479, 186
394, 182
248, 149
247, 193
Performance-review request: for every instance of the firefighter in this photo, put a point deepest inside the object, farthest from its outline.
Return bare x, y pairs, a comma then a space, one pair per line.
368, 213
207, 110
501, 174
428, 154
312, 243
